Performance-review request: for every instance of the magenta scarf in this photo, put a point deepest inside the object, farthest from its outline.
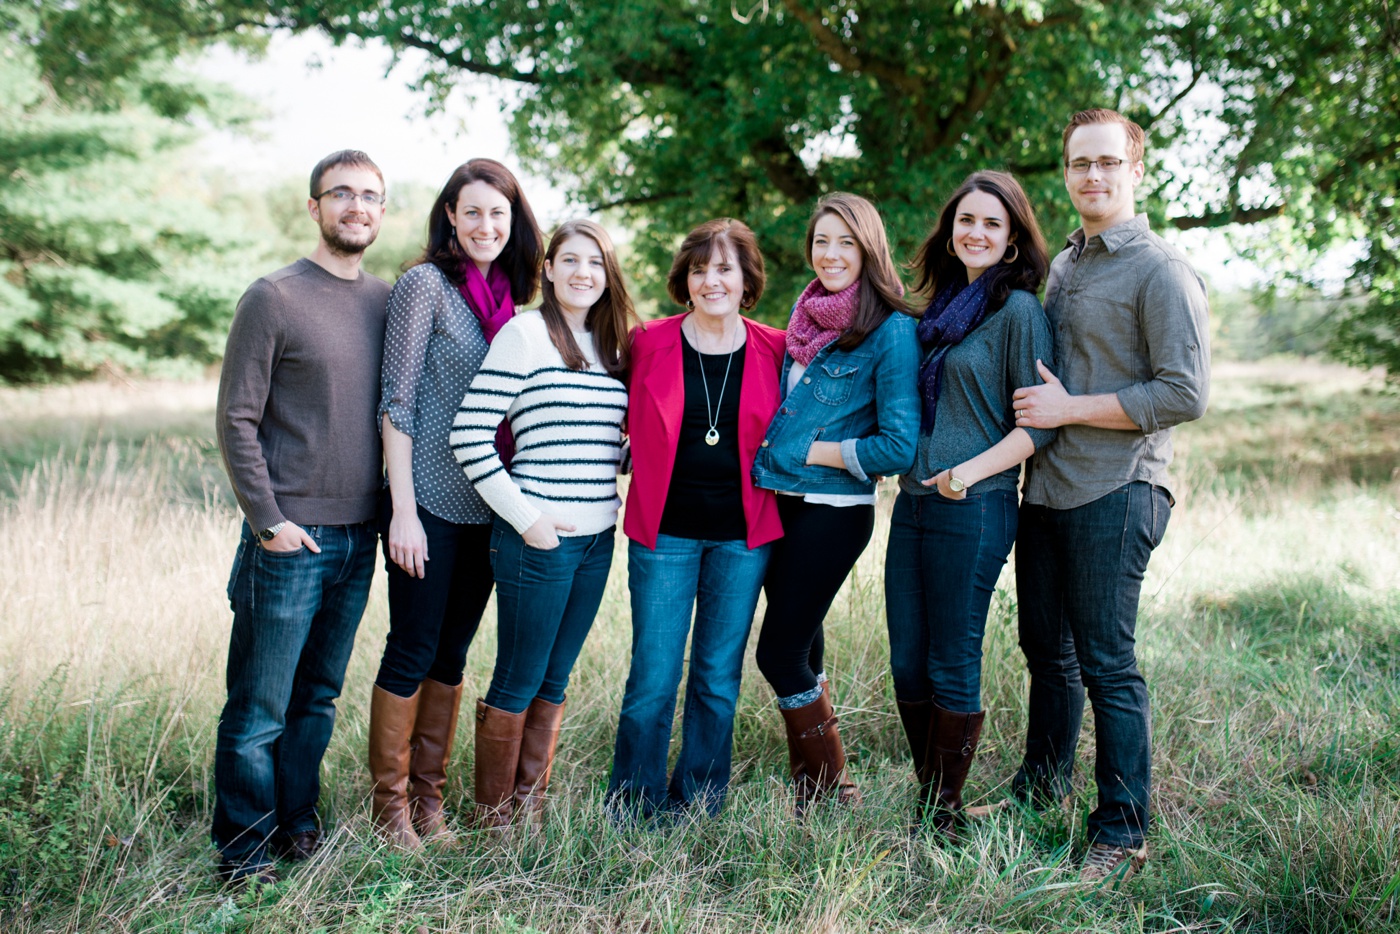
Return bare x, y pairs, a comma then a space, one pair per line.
488, 297
490, 300
818, 318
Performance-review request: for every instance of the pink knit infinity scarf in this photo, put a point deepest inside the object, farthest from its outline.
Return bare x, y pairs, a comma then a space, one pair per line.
819, 318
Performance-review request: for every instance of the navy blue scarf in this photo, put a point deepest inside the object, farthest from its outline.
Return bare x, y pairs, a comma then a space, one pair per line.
954, 313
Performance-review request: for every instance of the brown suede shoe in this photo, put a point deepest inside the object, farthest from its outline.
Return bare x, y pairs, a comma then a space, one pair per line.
1106, 864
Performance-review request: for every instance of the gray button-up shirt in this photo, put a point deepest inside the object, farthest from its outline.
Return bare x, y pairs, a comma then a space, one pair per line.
1129, 317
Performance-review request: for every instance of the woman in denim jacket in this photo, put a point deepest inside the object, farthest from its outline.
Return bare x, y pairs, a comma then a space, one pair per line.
955, 518
850, 414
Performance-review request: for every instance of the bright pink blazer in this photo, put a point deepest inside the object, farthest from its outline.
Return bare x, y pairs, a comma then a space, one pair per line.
656, 397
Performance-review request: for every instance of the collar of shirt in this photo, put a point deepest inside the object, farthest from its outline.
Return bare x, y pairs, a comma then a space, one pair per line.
1114, 237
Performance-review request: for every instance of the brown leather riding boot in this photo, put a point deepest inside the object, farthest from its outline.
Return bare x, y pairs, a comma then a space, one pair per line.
433, 733
538, 741
952, 744
813, 732
390, 725
915, 717
498, 738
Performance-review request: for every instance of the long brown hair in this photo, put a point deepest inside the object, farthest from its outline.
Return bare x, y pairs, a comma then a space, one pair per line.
937, 269
881, 293
519, 260
610, 319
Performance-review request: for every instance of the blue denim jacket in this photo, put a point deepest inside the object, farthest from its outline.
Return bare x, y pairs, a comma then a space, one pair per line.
866, 398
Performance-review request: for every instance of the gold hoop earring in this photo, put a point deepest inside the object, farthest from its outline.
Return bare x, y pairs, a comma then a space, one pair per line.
1014, 256
951, 251
689, 303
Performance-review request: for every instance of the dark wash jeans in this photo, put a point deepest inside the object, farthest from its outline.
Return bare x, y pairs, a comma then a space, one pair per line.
719, 581
294, 622
433, 619
941, 569
1078, 579
545, 605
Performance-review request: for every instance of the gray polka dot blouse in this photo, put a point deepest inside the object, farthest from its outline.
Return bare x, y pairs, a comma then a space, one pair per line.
432, 348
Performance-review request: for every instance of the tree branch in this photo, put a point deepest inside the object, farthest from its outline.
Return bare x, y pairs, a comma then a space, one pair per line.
1233, 216
832, 44
456, 58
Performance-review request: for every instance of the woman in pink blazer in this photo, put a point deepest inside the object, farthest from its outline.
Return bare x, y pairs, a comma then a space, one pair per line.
704, 388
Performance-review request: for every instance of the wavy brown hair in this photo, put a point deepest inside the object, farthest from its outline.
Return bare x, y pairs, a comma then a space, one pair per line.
610, 319
881, 293
520, 260
937, 269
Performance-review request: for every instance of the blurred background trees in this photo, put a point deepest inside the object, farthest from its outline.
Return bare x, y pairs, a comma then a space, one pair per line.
1279, 123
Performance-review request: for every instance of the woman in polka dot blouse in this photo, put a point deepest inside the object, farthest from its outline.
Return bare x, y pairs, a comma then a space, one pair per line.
481, 261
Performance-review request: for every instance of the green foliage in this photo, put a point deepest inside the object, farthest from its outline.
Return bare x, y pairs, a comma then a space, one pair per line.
108, 257
669, 113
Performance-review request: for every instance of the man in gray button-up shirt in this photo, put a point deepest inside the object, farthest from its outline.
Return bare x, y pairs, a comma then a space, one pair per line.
1129, 319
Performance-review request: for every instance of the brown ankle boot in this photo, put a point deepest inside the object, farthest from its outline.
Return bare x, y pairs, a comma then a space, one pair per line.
433, 733
390, 724
813, 733
498, 738
542, 723
915, 717
952, 744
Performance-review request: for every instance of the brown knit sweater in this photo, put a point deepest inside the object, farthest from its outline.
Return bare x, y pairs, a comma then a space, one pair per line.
298, 395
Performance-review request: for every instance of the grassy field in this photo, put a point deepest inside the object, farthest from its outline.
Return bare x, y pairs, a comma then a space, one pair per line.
1270, 637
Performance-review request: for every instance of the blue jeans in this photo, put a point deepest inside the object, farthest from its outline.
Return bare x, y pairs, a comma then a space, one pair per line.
941, 569
720, 581
1078, 578
545, 605
294, 622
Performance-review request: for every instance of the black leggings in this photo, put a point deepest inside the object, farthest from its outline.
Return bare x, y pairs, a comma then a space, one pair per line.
432, 619
820, 545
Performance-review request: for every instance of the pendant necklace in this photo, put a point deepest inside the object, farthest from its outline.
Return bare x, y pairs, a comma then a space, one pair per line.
712, 436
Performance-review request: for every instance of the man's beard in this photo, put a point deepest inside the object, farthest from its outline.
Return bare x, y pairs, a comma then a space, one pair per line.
341, 245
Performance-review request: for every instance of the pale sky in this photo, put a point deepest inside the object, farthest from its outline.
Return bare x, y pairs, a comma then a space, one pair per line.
320, 98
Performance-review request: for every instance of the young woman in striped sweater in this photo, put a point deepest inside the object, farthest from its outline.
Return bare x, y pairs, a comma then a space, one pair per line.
557, 375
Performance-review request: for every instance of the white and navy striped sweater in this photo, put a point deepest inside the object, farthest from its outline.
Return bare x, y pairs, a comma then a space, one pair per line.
567, 426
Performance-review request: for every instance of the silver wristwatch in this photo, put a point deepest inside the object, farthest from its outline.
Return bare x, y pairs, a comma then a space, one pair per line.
269, 533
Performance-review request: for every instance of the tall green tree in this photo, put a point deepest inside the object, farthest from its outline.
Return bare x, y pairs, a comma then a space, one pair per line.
107, 257
667, 112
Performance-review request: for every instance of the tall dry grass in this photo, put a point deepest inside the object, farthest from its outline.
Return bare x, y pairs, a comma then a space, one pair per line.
1270, 635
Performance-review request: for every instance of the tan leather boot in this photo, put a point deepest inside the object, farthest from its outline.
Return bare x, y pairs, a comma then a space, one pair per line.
498, 738
433, 733
390, 725
538, 741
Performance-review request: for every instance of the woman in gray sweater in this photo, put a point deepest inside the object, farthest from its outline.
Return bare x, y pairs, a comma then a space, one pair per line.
955, 518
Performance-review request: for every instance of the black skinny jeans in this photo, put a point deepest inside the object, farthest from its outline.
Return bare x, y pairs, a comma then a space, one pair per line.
433, 619
820, 545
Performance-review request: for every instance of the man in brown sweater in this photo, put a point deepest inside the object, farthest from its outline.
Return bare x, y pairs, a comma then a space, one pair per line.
296, 428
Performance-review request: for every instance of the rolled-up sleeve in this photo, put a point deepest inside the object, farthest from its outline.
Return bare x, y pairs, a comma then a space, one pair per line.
413, 304
1028, 339
1174, 324
891, 450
